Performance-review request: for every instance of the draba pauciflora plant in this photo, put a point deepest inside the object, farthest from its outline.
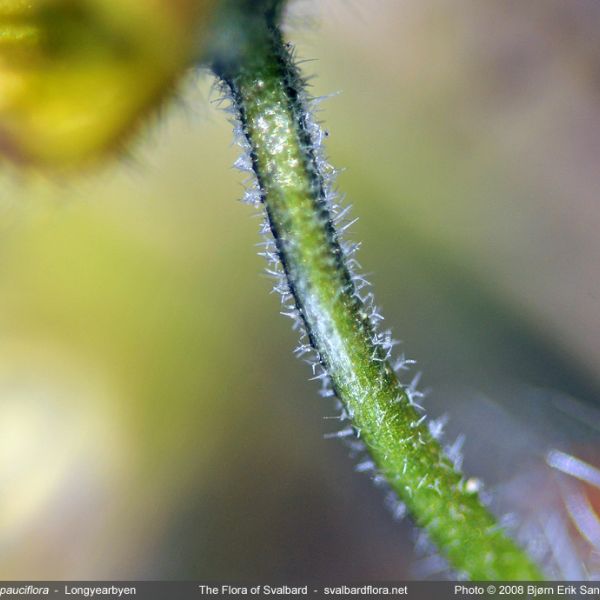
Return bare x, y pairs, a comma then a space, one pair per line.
76, 76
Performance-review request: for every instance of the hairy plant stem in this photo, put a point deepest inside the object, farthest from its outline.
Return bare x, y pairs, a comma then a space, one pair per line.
267, 94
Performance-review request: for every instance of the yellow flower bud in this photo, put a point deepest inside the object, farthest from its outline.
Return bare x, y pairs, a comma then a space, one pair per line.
76, 76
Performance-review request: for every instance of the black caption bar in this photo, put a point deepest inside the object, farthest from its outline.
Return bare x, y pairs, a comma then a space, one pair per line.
190, 590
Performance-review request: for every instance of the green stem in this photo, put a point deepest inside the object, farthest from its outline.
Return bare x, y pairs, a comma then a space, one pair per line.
267, 93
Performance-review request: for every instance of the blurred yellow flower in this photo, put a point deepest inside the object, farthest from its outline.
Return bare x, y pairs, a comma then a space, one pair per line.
76, 76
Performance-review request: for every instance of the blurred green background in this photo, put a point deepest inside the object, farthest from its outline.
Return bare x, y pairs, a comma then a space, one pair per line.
153, 421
